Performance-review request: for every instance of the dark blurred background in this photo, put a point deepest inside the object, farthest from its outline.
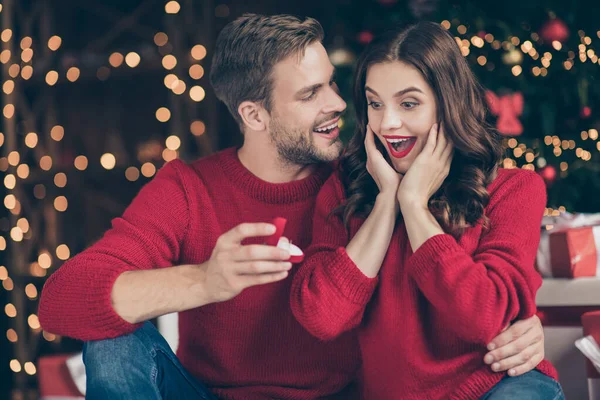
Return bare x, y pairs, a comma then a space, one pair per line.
98, 94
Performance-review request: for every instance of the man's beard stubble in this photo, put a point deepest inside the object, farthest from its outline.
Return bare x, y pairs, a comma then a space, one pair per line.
295, 147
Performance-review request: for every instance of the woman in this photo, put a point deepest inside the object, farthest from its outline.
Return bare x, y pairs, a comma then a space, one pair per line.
431, 253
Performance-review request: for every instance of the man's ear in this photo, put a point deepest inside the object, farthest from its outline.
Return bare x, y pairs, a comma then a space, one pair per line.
254, 116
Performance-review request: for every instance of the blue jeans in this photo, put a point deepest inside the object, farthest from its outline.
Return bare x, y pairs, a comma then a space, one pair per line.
140, 365
530, 386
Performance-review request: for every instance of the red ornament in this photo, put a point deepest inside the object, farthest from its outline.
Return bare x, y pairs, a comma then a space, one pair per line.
586, 112
365, 37
507, 108
554, 29
481, 34
548, 173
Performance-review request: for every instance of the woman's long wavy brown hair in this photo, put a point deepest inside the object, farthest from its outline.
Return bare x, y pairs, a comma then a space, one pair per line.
462, 199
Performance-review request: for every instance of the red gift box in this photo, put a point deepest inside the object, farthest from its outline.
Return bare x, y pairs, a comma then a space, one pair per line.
574, 252
591, 326
54, 378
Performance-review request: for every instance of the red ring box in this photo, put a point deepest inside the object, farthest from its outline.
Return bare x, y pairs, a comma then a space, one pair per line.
296, 255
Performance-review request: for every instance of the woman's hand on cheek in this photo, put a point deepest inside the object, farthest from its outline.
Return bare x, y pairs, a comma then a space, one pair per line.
384, 175
428, 171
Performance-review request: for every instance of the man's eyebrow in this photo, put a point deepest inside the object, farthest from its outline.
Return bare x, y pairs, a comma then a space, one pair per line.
309, 89
316, 86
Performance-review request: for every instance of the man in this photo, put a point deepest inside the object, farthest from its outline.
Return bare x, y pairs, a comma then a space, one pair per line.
191, 243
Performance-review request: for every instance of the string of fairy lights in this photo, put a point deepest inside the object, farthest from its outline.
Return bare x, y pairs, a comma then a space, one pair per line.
515, 50
15, 167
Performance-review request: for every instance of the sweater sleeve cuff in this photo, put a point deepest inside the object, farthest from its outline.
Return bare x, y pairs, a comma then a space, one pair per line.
352, 283
99, 302
430, 255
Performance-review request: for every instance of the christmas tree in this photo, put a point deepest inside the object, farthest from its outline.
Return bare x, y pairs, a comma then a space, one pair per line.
538, 64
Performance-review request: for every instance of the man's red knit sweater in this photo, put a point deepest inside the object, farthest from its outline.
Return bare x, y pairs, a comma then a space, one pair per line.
250, 347
424, 322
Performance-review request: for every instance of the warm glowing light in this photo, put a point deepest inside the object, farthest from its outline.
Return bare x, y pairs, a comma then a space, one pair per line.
584, 135
108, 161
63, 252
27, 72
45, 260
33, 321
557, 45
197, 128
198, 52
5, 56
148, 170
73, 74
132, 174
60, 180
10, 310
31, 291
12, 336
9, 111
23, 224
15, 366
196, 71
46, 163
54, 43
163, 114
160, 39
26, 42
23, 171
13, 70
171, 81
132, 59
116, 59
11, 202
29, 368
61, 204
10, 181
173, 142
197, 93
13, 158
81, 162
8, 86
57, 133
179, 87
169, 61
52, 78
169, 155
6, 35
172, 7
8, 284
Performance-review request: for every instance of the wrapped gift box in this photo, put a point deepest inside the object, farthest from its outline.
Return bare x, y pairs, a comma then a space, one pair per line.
574, 252
569, 246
